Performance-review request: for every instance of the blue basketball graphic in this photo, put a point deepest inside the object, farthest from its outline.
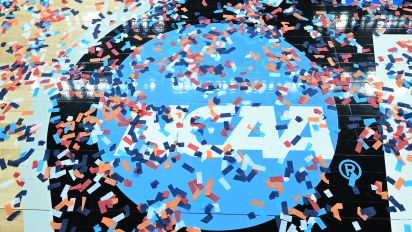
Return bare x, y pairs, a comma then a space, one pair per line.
229, 123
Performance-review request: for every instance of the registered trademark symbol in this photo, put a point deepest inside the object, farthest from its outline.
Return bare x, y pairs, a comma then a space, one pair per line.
350, 170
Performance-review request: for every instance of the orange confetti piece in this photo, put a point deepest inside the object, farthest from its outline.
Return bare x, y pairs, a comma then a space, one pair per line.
208, 188
209, 154
83, 202
399, 183
364, 217
167, 165
196, 194
27, 112
331, 62
126, 165
276, 185
55, 225
8, 209
321, 161
323, 178
297, 213
377, 145
109, 222
110, 181
335, 210
257, 203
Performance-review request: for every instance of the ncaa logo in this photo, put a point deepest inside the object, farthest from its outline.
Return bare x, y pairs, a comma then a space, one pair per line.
221, 118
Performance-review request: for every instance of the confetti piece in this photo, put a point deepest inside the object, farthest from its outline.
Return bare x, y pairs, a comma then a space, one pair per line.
356, 225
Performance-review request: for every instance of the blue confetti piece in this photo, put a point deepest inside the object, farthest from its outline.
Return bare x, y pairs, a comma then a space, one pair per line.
13, 216
352, 180
407, 228
207, 219
396, 203
308, 147
281, 127
56, 138
97, 228
251, 215
369, 121
2, 164
188, 167
370, 212
320, 223
399, 166
407, 183
355, 190
321, 212
35, 92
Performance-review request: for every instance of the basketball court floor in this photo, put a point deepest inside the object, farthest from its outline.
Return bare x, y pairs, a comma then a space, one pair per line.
205, 115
